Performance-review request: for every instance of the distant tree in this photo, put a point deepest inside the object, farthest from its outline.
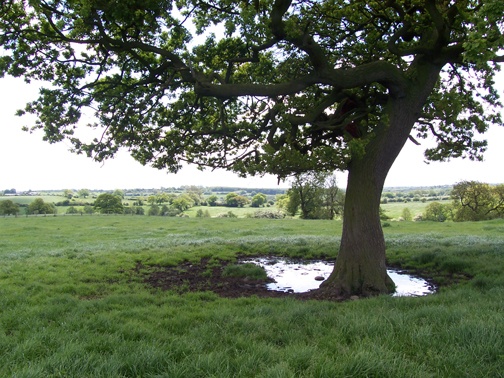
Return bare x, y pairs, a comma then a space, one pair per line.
7, 207
119, 193
196, 194
88, 209
212, 200
107, 203
68, 193
334, 197
406, 214
282, 201
258, 200
84, 193
139, 210
236, 200
307, 195
162, 197
138, 202
152, 199
38, 206
72, 210
436, 212
475, 201
183, 202
153, 210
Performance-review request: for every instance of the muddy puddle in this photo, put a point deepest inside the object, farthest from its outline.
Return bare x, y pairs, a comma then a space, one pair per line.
299, 277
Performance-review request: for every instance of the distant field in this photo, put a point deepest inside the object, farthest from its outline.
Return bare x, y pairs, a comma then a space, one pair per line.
26, 200
394, 209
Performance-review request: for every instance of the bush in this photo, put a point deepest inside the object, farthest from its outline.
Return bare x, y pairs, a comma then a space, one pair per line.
435, 212
229, 214
202, 214
406, 214
267, 214
88, 209
172, 212
72, 210
153, 210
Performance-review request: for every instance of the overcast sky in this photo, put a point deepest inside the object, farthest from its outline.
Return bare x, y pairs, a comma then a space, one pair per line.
27, 162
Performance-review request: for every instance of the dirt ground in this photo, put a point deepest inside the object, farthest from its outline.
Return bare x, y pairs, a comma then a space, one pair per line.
207, 276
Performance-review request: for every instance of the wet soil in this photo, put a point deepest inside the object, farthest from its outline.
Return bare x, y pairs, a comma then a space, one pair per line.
206, 276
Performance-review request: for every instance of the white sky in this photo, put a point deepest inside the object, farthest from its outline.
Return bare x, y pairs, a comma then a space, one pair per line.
27, 162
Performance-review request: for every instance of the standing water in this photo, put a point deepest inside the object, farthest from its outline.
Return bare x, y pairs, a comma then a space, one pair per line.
299, 277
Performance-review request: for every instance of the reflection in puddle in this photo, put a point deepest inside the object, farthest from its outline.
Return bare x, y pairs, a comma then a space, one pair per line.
299, 277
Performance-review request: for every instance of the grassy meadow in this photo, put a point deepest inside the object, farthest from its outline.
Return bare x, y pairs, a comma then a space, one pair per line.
73, 304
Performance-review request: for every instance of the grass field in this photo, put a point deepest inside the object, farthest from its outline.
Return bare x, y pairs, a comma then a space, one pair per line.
73, 305
394, 209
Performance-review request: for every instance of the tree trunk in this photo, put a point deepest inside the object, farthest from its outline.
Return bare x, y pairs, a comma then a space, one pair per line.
360, 267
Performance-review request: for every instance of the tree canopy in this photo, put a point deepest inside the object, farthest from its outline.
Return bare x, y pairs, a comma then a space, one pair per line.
107, 203
286, 86
7, 207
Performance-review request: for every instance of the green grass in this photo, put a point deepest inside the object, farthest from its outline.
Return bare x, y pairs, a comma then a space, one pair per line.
26, 200
394, 209
248, 270
71, 304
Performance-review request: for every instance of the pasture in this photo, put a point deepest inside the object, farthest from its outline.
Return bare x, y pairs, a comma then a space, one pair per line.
74, 302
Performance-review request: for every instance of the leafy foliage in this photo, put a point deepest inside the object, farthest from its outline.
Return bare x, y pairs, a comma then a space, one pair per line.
38, 206
284, 87
107, 203
7, 207
475, 201
235, 200
268, 214
436, 212
316, 195
258, 200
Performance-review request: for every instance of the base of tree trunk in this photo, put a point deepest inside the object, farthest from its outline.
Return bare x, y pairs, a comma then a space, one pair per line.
346, 287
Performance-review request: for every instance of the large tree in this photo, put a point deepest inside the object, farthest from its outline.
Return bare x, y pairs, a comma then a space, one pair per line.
107, 203
283, 87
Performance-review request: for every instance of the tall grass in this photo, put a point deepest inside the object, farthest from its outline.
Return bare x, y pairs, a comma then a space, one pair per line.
72, 304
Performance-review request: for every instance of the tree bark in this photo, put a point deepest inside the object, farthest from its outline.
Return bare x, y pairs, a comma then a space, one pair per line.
360, 267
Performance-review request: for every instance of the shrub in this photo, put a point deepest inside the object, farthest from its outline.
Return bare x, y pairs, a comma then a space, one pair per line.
435, 212
418, 218
202, 214
153, 210
406, 214
269, 214
229, 214
88, 209
72, 210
